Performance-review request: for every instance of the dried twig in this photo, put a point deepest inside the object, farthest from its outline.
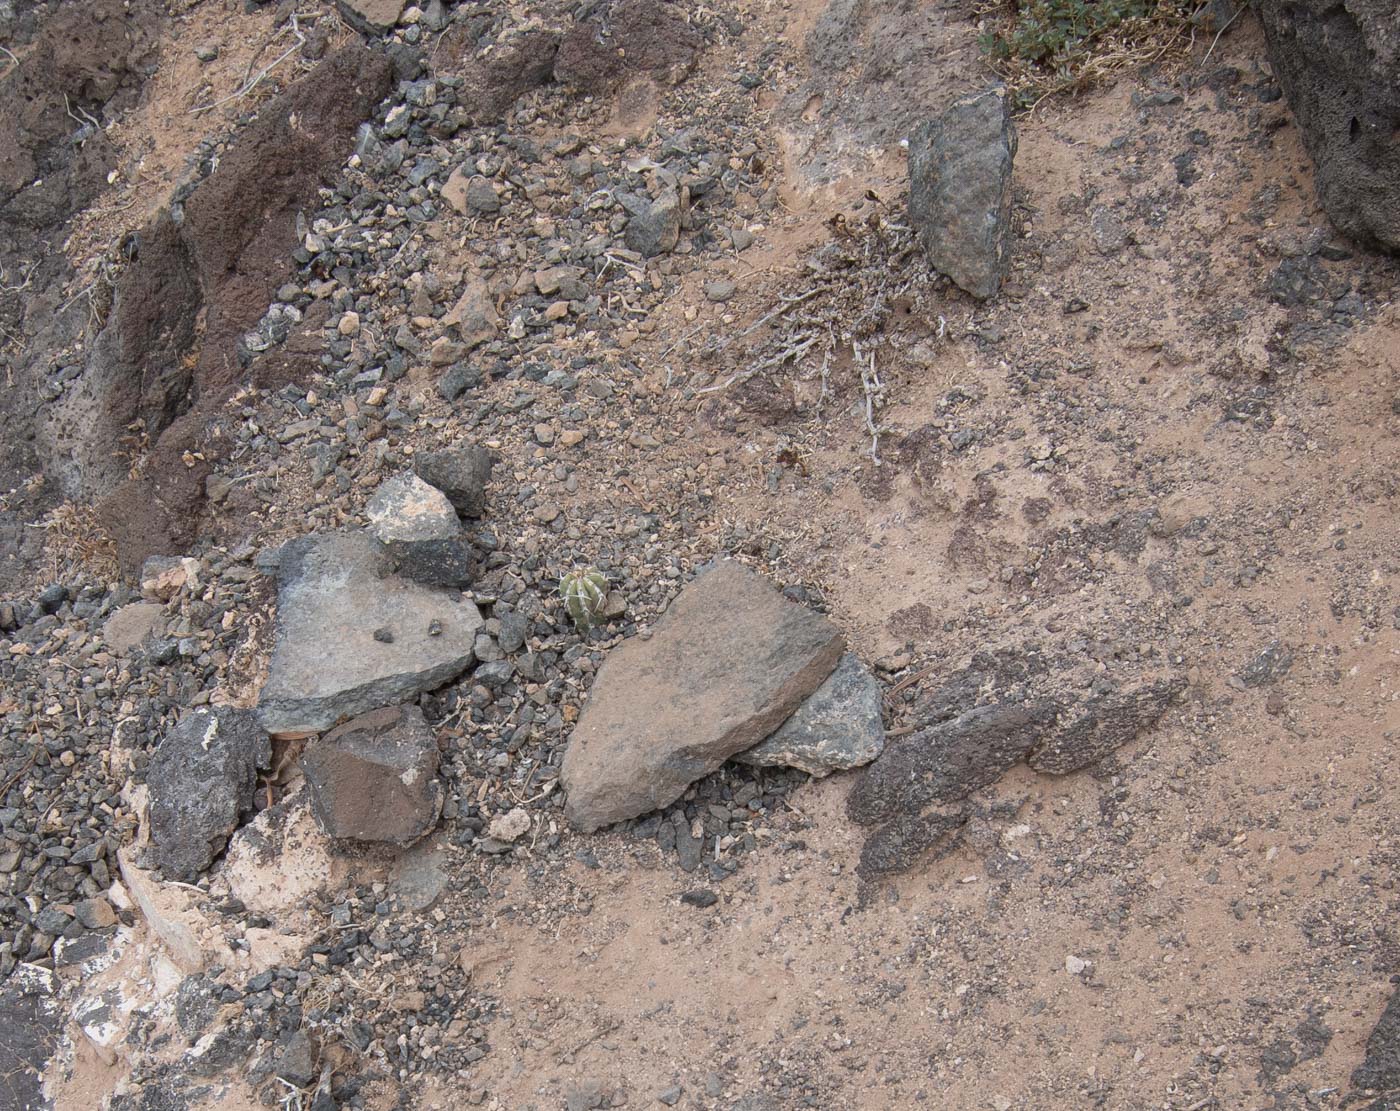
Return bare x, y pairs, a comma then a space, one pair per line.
870, 382
249, 84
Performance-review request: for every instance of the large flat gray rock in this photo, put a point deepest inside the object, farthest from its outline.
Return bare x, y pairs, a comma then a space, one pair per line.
960, 190
334, 593
727, 664
837, 729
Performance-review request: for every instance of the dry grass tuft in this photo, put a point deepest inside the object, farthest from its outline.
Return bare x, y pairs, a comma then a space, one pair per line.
1042, 48
75, 543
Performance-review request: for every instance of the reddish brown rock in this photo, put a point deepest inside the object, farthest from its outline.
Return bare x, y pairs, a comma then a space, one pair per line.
725, 666
374, 778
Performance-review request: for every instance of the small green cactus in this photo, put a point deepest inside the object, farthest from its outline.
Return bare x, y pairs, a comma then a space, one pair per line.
585, 592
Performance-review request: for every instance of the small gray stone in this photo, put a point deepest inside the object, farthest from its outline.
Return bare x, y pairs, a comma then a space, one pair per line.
132, 625
457, 380
481, 197
513, 631
296, 1060
655, 227
837, 728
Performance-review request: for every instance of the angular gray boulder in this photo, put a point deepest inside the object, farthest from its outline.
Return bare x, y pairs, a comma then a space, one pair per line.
460, 473
375, 777
352, 636
1338, 62
960, 190
727, 663
836, 729
418, 525
201, 781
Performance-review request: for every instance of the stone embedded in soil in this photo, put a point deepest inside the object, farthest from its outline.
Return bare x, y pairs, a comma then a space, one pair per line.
729, 661
334, 590
1338, 62
836, 729
1087, 733
374, 778
460, 473
418, 525
1380, 1069
960, 190
949, 761
131, 626
510, 826
1271, 664
201, 780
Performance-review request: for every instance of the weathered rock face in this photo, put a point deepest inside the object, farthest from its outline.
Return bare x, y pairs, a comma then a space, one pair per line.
619, 38
838, 728
960, 190
420, 528
729, 662
374, 778
461, 474
1087, 733
352, 637
1339, 64
218, 265
201, 779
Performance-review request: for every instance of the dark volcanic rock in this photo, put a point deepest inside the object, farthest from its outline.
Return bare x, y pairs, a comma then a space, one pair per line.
898, 843
619, 38
218, 264
1088, 733
949, 761
1339, 64
1005, 707
201, 779
32, 1019
374, 778
960, 190
1381, 1068
727, 663
334, 592
418, 525
461, 474
655, 226
838, 728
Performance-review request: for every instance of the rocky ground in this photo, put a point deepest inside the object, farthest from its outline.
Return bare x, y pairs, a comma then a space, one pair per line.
637, 288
